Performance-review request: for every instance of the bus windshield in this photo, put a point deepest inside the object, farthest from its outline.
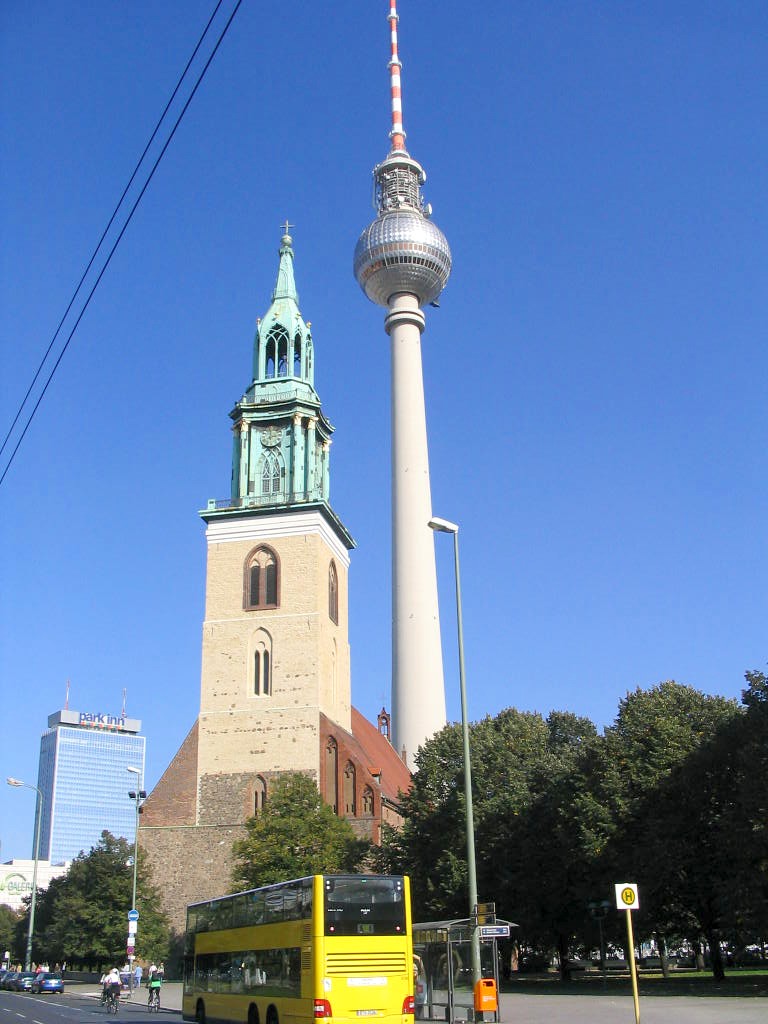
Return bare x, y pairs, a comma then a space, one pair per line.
364, 905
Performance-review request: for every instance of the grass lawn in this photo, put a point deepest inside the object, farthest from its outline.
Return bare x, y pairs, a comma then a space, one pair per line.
745, 982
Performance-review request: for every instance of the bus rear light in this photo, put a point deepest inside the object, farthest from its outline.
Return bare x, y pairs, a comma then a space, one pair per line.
409, 1005
322, 1008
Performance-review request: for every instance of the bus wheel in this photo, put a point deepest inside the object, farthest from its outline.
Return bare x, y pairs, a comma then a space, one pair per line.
253, 1014
272, 1016
200, 1012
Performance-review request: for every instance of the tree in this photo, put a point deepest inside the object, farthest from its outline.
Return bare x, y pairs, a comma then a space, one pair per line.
524, 832
8, 921
82, 916
658, 773
295, 834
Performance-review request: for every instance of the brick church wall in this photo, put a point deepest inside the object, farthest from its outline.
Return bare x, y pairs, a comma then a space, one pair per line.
189, 865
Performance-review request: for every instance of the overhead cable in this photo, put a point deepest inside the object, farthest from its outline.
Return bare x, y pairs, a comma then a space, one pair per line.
120, 235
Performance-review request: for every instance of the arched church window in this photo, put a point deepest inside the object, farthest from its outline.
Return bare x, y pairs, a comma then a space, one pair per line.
350, 804
297, 356
333, 593
260, 680
262, 578
259, 795
270, 474
282, 353
331, 774
368, 801
270, 357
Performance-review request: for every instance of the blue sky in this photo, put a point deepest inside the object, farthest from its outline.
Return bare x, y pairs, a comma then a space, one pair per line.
595, 376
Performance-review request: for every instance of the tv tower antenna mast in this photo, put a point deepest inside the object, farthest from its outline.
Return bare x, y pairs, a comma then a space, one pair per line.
402, 262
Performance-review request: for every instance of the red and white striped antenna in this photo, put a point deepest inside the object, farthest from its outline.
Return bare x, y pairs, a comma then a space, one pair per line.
397, 135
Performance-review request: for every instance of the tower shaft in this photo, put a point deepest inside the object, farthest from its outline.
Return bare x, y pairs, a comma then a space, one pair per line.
418, 694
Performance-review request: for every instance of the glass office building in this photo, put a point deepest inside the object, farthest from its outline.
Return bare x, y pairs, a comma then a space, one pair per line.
84, 780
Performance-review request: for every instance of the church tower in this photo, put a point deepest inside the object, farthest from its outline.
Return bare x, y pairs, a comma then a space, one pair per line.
275, 691
275, 650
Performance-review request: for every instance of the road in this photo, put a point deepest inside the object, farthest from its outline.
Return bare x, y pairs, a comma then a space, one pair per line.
80, 1005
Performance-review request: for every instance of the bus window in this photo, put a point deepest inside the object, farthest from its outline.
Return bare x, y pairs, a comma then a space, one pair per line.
361, 905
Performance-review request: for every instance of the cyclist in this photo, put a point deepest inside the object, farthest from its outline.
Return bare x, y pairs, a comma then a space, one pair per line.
114, 985
154, 984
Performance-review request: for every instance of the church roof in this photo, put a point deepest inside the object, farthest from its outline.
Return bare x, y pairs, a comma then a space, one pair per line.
381, 757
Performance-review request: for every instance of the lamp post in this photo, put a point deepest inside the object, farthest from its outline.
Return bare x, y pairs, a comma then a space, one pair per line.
443, 526
137, 796
38, 809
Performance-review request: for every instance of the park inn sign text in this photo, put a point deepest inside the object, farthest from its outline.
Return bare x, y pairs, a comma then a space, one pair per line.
94, 720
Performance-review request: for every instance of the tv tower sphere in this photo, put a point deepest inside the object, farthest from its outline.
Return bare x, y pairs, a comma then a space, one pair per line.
401, 251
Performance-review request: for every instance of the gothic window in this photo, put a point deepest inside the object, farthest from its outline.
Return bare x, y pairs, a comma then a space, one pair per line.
262, 578
270, 357
260, 679
297, 356
368, 802
259, 795
270, 474
333, 593
350, 805
331, 774
282, 354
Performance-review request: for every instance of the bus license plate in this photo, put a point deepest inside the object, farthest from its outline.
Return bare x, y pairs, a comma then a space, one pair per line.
366, 1013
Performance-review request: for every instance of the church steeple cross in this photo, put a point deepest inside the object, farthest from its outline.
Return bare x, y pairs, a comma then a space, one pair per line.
286, 226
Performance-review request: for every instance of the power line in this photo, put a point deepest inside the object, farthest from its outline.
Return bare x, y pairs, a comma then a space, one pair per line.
120, 235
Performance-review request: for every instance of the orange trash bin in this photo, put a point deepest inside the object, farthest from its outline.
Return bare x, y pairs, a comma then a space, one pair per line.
486, 999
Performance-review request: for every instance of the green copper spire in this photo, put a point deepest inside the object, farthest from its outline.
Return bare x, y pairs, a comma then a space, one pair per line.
286, 286
282, 440
282, 347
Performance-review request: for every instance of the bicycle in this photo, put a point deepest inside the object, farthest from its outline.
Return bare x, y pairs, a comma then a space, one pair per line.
113, 1002
153, 1000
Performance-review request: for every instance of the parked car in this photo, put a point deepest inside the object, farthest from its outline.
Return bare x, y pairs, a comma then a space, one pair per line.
23, 982
2, 977
48, 981
9, 979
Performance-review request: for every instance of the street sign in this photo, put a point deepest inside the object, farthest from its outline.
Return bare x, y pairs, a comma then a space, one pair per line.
133, 927
485, 913
133, 915
626, 896
494, 931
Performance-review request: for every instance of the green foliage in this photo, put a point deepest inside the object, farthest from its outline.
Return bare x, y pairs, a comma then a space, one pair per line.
673, 795
8, 921
295, 835
82, 916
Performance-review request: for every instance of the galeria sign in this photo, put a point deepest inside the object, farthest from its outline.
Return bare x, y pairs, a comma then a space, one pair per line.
626, 896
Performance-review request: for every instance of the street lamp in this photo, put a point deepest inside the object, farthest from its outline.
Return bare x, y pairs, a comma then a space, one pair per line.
137, 796
443, 526
38, 809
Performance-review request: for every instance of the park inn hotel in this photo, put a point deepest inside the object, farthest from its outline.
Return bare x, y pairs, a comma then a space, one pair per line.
84, 780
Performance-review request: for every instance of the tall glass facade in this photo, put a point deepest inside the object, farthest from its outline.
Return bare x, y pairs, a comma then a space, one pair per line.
85, 783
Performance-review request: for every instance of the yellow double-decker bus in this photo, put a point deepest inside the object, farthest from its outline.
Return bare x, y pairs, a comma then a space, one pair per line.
328, 946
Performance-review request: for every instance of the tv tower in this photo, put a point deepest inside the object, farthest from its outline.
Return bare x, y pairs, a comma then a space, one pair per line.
402, 262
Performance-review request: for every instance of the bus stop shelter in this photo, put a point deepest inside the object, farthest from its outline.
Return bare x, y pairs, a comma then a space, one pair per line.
443, 967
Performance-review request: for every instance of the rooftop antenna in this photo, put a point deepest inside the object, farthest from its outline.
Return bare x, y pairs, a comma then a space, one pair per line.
123, 712
397, 135
66, 698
